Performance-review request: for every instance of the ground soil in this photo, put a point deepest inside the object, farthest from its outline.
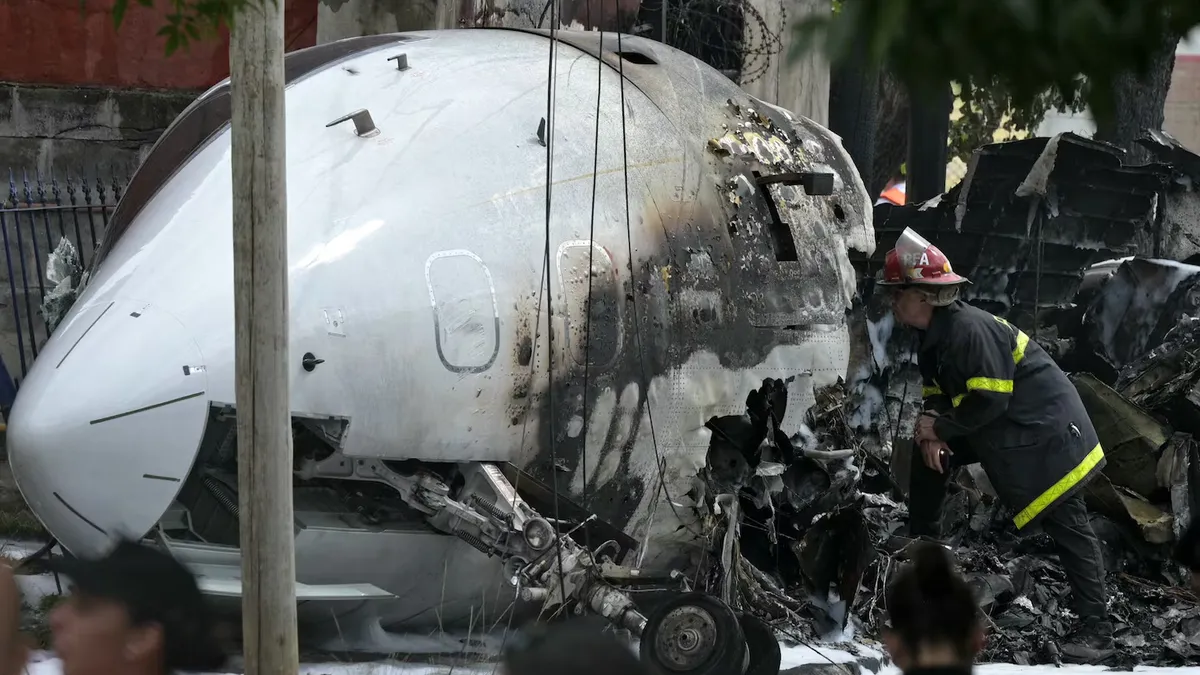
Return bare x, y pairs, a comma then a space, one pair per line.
16, 520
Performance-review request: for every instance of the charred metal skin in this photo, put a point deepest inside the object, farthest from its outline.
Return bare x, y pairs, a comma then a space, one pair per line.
698, 244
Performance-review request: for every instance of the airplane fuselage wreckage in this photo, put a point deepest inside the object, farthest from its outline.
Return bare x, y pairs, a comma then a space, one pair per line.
470, 427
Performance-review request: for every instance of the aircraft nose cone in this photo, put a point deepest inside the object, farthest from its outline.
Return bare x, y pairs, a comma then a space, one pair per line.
107, 423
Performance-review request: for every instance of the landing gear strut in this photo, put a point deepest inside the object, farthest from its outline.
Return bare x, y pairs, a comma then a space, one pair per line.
691, 634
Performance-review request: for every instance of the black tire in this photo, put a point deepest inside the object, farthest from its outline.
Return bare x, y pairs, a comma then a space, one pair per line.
693, 619
762, 644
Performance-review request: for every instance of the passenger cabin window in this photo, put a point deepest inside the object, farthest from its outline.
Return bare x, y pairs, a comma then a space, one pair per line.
205, 118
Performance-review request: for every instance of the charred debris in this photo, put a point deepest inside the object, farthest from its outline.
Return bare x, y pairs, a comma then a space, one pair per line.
1047, 229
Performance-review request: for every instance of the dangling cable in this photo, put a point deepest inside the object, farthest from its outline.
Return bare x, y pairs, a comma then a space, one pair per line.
545, 291
551, 89
587, 321
637, 326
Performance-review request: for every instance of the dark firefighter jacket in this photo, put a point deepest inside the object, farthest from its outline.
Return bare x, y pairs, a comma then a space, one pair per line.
1001, 393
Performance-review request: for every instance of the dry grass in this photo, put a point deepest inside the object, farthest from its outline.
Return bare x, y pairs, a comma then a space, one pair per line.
35, 620
18, 522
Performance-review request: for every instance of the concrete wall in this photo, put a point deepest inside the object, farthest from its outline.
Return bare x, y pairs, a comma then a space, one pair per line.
67, 128
801, 86
75, 89
338, 19
79, 96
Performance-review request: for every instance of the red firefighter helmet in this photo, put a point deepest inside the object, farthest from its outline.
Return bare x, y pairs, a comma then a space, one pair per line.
916, 261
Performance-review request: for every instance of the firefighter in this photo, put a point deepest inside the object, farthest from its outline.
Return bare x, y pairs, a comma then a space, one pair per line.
993, 396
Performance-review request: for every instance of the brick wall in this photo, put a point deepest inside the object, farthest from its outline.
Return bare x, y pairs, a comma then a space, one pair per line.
74, 43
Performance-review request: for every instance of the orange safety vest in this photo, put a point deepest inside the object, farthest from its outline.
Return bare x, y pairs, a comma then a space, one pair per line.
894, 194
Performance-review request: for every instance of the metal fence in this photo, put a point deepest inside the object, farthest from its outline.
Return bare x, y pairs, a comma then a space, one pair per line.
35, 215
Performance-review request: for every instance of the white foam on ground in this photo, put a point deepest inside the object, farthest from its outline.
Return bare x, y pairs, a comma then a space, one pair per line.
34, 587
14, 549
43, 663
1012, 669
800, 655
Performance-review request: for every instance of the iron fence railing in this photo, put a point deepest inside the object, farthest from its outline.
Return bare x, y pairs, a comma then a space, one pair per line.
36, 214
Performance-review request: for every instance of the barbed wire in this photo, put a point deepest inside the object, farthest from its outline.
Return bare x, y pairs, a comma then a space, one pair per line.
729, 35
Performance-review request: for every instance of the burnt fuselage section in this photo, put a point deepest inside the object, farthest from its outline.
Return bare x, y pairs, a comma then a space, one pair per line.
697, 242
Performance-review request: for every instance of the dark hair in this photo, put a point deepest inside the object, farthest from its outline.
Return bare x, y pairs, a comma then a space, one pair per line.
930, 603
580, 646
153, 587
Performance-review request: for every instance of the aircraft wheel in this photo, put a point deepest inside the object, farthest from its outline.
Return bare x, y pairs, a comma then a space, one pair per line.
762, 644
694, 634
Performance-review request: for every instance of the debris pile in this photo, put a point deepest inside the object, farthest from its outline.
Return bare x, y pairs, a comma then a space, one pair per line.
819, 522
1039, 226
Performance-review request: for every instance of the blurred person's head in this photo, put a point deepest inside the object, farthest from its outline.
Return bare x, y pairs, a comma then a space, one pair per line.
135, 611
14, 649
576, 647
934, 619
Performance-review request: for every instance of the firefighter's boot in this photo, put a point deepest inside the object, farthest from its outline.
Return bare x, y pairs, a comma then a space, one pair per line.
1091, 642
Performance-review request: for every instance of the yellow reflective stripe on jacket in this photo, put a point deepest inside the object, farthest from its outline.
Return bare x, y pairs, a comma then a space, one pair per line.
990, 384
1060, 488
984, 384
1018, 352
927, 391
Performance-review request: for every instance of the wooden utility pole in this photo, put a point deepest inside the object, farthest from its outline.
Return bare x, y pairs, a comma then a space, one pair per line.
260, 281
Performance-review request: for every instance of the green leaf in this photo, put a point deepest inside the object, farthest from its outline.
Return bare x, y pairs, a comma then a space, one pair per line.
118, 11
809, 35
1014, 59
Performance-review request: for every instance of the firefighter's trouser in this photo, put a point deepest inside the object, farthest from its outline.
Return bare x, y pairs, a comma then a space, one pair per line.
1067, 524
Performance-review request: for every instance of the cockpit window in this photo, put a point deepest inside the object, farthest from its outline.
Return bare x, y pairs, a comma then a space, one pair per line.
207, 116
